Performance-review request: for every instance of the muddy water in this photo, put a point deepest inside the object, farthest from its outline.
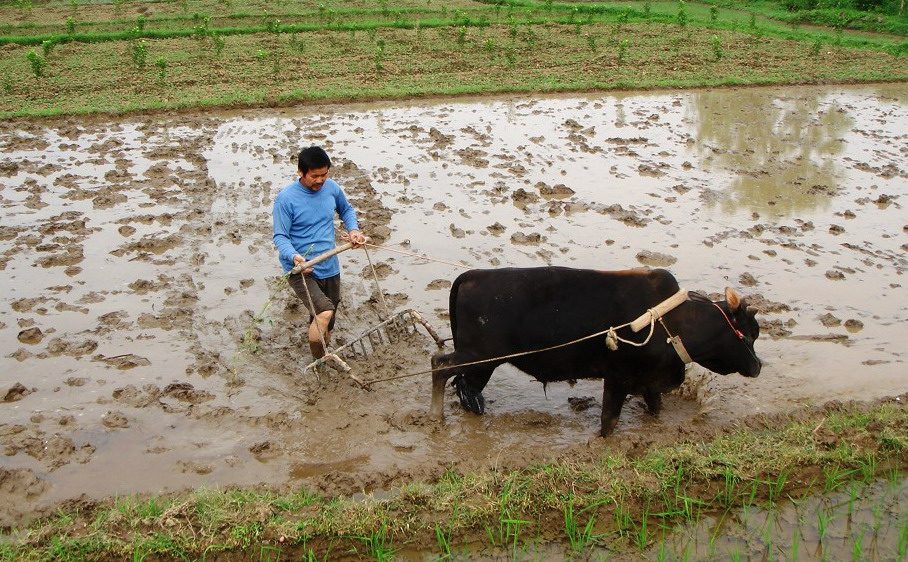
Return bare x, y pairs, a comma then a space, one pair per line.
137, 254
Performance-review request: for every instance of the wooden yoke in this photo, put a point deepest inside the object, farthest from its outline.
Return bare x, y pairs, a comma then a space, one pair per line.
658, 311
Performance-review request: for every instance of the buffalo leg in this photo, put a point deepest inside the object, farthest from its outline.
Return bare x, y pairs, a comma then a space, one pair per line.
469, 387
612, 402
653, 399
439, 379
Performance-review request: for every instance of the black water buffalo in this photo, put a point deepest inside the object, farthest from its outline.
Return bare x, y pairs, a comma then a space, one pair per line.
498, 312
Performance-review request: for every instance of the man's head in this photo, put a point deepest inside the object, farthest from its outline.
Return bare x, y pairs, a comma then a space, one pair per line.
312, 166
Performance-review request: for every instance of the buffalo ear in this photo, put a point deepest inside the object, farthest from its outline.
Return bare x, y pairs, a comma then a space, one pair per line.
734, 300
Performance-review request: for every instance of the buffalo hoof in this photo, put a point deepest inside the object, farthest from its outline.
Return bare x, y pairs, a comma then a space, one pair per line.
472, 401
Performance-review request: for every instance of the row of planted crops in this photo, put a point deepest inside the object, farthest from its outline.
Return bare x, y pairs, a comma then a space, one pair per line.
178, 54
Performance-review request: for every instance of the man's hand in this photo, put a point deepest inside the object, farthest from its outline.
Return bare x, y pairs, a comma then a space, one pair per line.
357, 238
297, 260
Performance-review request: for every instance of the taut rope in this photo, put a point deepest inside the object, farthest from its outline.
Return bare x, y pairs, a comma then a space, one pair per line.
421, 256
609, 332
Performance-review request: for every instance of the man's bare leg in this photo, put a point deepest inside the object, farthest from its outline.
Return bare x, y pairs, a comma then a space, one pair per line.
319, 324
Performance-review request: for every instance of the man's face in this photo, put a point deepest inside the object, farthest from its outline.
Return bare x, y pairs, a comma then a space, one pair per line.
315, 178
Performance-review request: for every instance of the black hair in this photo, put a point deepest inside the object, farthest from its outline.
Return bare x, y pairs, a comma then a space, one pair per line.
313, 158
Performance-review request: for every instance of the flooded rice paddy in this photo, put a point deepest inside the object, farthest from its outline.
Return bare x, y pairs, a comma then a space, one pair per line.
147, 337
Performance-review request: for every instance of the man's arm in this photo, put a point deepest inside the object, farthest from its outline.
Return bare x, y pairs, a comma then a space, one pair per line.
345, 210
282, 219
348, 215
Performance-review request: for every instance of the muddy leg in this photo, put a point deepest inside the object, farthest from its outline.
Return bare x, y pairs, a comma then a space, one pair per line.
612, 401
318, 330
439, 379
469, 387
653, 399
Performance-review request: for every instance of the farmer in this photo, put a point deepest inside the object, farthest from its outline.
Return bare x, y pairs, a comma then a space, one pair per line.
303, 229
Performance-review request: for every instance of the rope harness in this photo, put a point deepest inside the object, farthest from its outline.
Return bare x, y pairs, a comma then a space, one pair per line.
611, 339
731, 325
737, 332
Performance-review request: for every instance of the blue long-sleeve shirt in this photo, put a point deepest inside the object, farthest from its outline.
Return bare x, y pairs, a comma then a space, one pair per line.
304, 224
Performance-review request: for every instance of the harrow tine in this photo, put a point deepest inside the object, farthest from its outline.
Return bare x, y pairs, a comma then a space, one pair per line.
390, 330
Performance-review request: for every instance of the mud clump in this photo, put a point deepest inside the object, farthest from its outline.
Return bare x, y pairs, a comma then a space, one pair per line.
522, 198
776, 328
115, 420
16, 392
558, 191
832, 338
154, 244
496, 229
747, 280
829, 320
648, 170
143, 286
765, 306
54, 451
31, 336
655, 259
437, 284
26, 305
440, 139
123, 362
628, 217
473, 157
264, 451
185, 392
531, 239
59, 346
194, 467
382, 271
18, 489
131, 396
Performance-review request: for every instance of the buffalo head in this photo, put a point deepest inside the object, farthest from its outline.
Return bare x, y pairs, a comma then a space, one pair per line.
723, 335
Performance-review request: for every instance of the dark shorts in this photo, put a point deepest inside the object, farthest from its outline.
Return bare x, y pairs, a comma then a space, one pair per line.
325, 293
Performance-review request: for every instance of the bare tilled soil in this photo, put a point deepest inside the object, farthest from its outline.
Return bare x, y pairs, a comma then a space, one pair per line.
150, 344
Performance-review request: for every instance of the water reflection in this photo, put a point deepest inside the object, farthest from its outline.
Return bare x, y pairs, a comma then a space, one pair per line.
781, 151
620, 115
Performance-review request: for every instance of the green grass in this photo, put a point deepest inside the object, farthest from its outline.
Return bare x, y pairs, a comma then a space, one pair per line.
902, 547
580, 535
833, 17
378, 544
624, 502
443, 540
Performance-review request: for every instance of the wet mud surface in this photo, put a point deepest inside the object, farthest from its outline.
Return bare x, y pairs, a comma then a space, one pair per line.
147, 335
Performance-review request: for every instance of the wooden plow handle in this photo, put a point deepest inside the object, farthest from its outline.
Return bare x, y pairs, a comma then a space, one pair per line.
318, 259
